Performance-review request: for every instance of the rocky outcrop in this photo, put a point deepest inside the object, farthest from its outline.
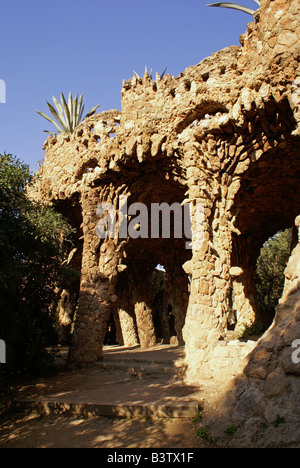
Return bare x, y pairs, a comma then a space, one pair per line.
262, 403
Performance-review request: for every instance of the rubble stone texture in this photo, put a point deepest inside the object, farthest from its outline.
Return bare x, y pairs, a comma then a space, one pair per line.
224, 135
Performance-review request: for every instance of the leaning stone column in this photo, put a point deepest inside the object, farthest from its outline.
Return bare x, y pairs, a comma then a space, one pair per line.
97, 287
139, 285
244, 298
144, 317
145, 324
206, 321
178, 299
127, 327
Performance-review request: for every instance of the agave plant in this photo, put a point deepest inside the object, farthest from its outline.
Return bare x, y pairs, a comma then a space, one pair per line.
150, 73
236, 6
67, 115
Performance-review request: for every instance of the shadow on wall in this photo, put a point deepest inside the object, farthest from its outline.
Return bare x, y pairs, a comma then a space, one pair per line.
261, 405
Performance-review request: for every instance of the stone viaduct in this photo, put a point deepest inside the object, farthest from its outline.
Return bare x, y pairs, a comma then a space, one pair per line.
225, 136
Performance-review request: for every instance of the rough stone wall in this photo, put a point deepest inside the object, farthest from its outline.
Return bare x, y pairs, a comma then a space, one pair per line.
224, 135
262, 402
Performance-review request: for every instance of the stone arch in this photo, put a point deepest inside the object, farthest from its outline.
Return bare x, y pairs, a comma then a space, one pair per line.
223, 136
246, 181
268, 201
117, 266
142, 254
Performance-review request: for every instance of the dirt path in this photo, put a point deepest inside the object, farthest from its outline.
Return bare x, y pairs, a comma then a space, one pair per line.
125, 377
72, 432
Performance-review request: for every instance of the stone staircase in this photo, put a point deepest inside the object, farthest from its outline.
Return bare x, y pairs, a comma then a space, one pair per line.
127, 383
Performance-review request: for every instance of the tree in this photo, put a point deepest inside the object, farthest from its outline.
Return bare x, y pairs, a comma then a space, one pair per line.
270, 269
34, 241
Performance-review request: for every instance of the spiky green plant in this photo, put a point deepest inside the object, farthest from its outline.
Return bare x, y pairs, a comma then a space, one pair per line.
236, 6
67, 115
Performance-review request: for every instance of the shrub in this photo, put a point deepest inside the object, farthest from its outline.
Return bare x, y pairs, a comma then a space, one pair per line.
270, 270
34, 241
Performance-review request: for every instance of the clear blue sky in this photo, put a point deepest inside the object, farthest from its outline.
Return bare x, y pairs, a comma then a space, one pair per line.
89, 47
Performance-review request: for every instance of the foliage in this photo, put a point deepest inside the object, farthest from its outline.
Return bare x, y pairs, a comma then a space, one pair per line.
202, 432
231, 430
199, 416
67, 115
278, 420
256, 328
235, 6
34, 240
270, 270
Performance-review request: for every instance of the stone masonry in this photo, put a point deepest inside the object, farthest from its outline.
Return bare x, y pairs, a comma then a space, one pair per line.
225, 136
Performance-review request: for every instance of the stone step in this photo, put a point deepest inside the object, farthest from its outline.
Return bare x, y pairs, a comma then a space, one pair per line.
127, 383
143, 362
46, 408
139, 368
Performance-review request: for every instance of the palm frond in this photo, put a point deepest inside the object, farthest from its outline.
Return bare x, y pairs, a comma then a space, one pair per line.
236, 6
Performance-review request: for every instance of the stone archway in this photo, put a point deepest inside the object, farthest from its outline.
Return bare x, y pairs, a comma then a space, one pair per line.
268, 201
142, 252
249, 194
227, 132
117, 266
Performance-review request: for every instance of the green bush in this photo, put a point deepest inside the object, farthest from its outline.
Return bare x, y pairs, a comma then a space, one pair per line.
34, 241
270, 270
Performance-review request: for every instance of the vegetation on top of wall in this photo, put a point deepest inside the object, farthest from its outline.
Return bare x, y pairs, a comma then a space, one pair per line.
67, 115
150, 73
236, 6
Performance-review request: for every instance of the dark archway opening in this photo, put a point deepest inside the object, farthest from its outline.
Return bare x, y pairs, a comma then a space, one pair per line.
111, 333
68, 291
171, 321
151, 277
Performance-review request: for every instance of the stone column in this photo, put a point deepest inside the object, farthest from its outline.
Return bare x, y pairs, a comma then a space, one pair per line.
127, 327
244, 298
163, 319
139, 286
97, 288
66, 308
145, 325
206, 321
178, 299
117, 324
